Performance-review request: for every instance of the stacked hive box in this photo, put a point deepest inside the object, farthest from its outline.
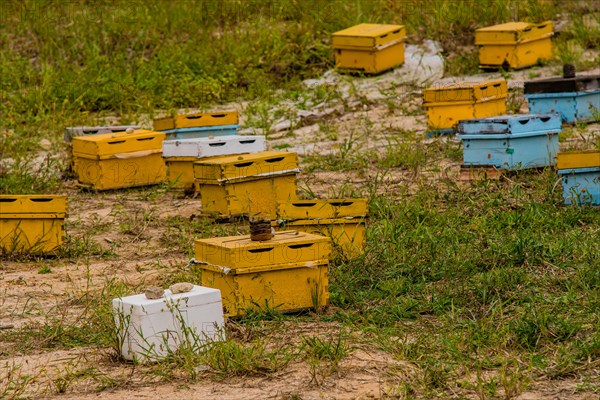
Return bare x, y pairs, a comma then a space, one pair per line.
369, 48
200, 125
514, 44
287, 273
250, 184
510, 141
580, 171
118, 160
449, 103
575, 98
32, 223
151, 329
343, 220
180, 154
76, 131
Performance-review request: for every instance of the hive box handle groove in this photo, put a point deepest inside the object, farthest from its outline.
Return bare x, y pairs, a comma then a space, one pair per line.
304, 204
545, 119
272, 160
247, 141
261, 250
193, 116
523, 121
244, 164
116, 142
342, 203
383, 36
497, 85
396, 31
41, 200
216, 144
142, 139
218, 115
5, 200
300, 246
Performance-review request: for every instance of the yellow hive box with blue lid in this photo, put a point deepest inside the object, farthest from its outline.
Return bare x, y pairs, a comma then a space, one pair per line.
32, 223
448, 103
198, 125
514, 44
369, 48
287, 273
343, 220
248, 184
119, 160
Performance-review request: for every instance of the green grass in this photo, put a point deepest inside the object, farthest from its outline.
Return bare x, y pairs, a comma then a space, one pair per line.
481, 289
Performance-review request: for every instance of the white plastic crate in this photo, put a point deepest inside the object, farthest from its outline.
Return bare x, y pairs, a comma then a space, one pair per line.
213, 146
149, 329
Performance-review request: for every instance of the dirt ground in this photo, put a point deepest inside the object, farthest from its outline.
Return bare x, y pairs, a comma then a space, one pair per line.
141, 257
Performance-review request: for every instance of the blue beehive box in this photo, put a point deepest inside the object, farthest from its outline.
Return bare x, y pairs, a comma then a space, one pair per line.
510, 141
201, 132
575, 98
581, 185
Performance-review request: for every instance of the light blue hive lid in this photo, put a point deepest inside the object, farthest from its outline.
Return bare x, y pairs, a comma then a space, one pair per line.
511, 124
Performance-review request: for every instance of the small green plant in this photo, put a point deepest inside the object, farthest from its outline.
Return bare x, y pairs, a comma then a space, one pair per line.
324, 355
45, 269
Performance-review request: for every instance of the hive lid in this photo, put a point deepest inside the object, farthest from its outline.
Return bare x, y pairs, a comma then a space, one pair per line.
368, 35
511, 124
108, 144
227, 168
73, 131
286, 247
197, 120
465, 91
138, 304
578, 159
579, 83
322, 208
513, 33
33, 204
213, 146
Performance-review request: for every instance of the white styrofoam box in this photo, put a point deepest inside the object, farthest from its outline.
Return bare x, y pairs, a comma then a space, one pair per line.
213, 146
149, 329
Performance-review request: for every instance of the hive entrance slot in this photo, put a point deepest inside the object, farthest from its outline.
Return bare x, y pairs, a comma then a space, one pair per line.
263, 250
300, 246
342, 203
304, 204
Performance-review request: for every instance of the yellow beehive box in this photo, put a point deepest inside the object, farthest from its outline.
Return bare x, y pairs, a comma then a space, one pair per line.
249, 184
32, 223
578, 159
288, 272
348, 235
180, 172
322, 209
514, 44
449, 103
369, 48
196, 120
118, 160
343, 220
